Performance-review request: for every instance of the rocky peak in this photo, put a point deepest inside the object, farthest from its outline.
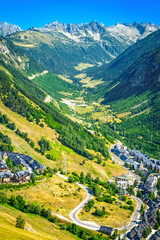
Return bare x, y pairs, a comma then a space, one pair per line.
132, 32
6, 28
94, 26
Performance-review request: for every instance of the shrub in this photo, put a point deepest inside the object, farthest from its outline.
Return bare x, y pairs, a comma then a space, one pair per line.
20, 222
3, 197
12, 126
124, 198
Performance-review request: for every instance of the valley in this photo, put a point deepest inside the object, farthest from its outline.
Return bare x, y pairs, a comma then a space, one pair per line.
69, 94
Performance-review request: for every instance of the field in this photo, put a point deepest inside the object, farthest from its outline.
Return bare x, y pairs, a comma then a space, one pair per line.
82, 66
54, 193
87, 81
115, 216
66, 78
125, 114
37, 228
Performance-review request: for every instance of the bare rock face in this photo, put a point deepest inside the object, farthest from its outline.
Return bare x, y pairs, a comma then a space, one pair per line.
7, 29
132, 32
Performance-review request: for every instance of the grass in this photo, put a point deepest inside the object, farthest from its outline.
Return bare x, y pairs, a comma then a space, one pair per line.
65, 78
54, 193
87, 81
82, 66
32, 39
125, 114
38, 227
115, 216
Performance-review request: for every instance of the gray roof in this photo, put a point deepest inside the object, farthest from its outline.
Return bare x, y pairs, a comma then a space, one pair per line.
24, 173
6, 174
1, 158
3, 165
107, 229
25, 160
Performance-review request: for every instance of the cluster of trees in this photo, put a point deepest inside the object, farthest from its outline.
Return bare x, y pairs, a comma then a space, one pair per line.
100, 212
4, 120
83, 233
105, 198
95, 185
20, 203
79, 139
137, 131
130, 207
10, 164
5, 143
44, 145
158, 185
158, 220
89, 205
11, 125
139, 193
141, 174
20, 222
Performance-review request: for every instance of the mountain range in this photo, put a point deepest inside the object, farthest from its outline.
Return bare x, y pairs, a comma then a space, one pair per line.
60, 47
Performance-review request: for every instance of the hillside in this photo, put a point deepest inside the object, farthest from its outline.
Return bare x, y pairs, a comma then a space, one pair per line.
132, 55
36, 226
131, 89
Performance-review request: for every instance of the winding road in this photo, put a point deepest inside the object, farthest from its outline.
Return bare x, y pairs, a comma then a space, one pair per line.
91, 225
73, 214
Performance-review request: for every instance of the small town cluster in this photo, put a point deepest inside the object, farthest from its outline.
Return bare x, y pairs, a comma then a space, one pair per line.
139, 162
23, 165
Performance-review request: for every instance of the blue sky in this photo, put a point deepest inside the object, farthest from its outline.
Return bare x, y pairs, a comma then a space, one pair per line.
28, 13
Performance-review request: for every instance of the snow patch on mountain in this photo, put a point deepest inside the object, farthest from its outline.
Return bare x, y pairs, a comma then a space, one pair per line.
96, 36
73, 37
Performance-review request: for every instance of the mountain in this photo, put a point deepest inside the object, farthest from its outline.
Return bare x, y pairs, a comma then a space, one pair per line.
132, 70
60, 47
131, 88
133, 32
7, 28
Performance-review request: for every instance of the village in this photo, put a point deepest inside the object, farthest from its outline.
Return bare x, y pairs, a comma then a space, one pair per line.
15, 167
139, 163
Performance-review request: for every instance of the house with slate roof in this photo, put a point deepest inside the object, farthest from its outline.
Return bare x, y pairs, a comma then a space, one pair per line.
3, 166
22, 176
28, 163
107, 230
6, 177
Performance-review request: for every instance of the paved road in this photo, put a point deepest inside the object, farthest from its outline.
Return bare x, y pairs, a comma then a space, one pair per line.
136, 216
73, 214
91, 225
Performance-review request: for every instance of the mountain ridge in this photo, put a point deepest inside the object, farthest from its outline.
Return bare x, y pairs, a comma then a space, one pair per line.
7, 28
67, 45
